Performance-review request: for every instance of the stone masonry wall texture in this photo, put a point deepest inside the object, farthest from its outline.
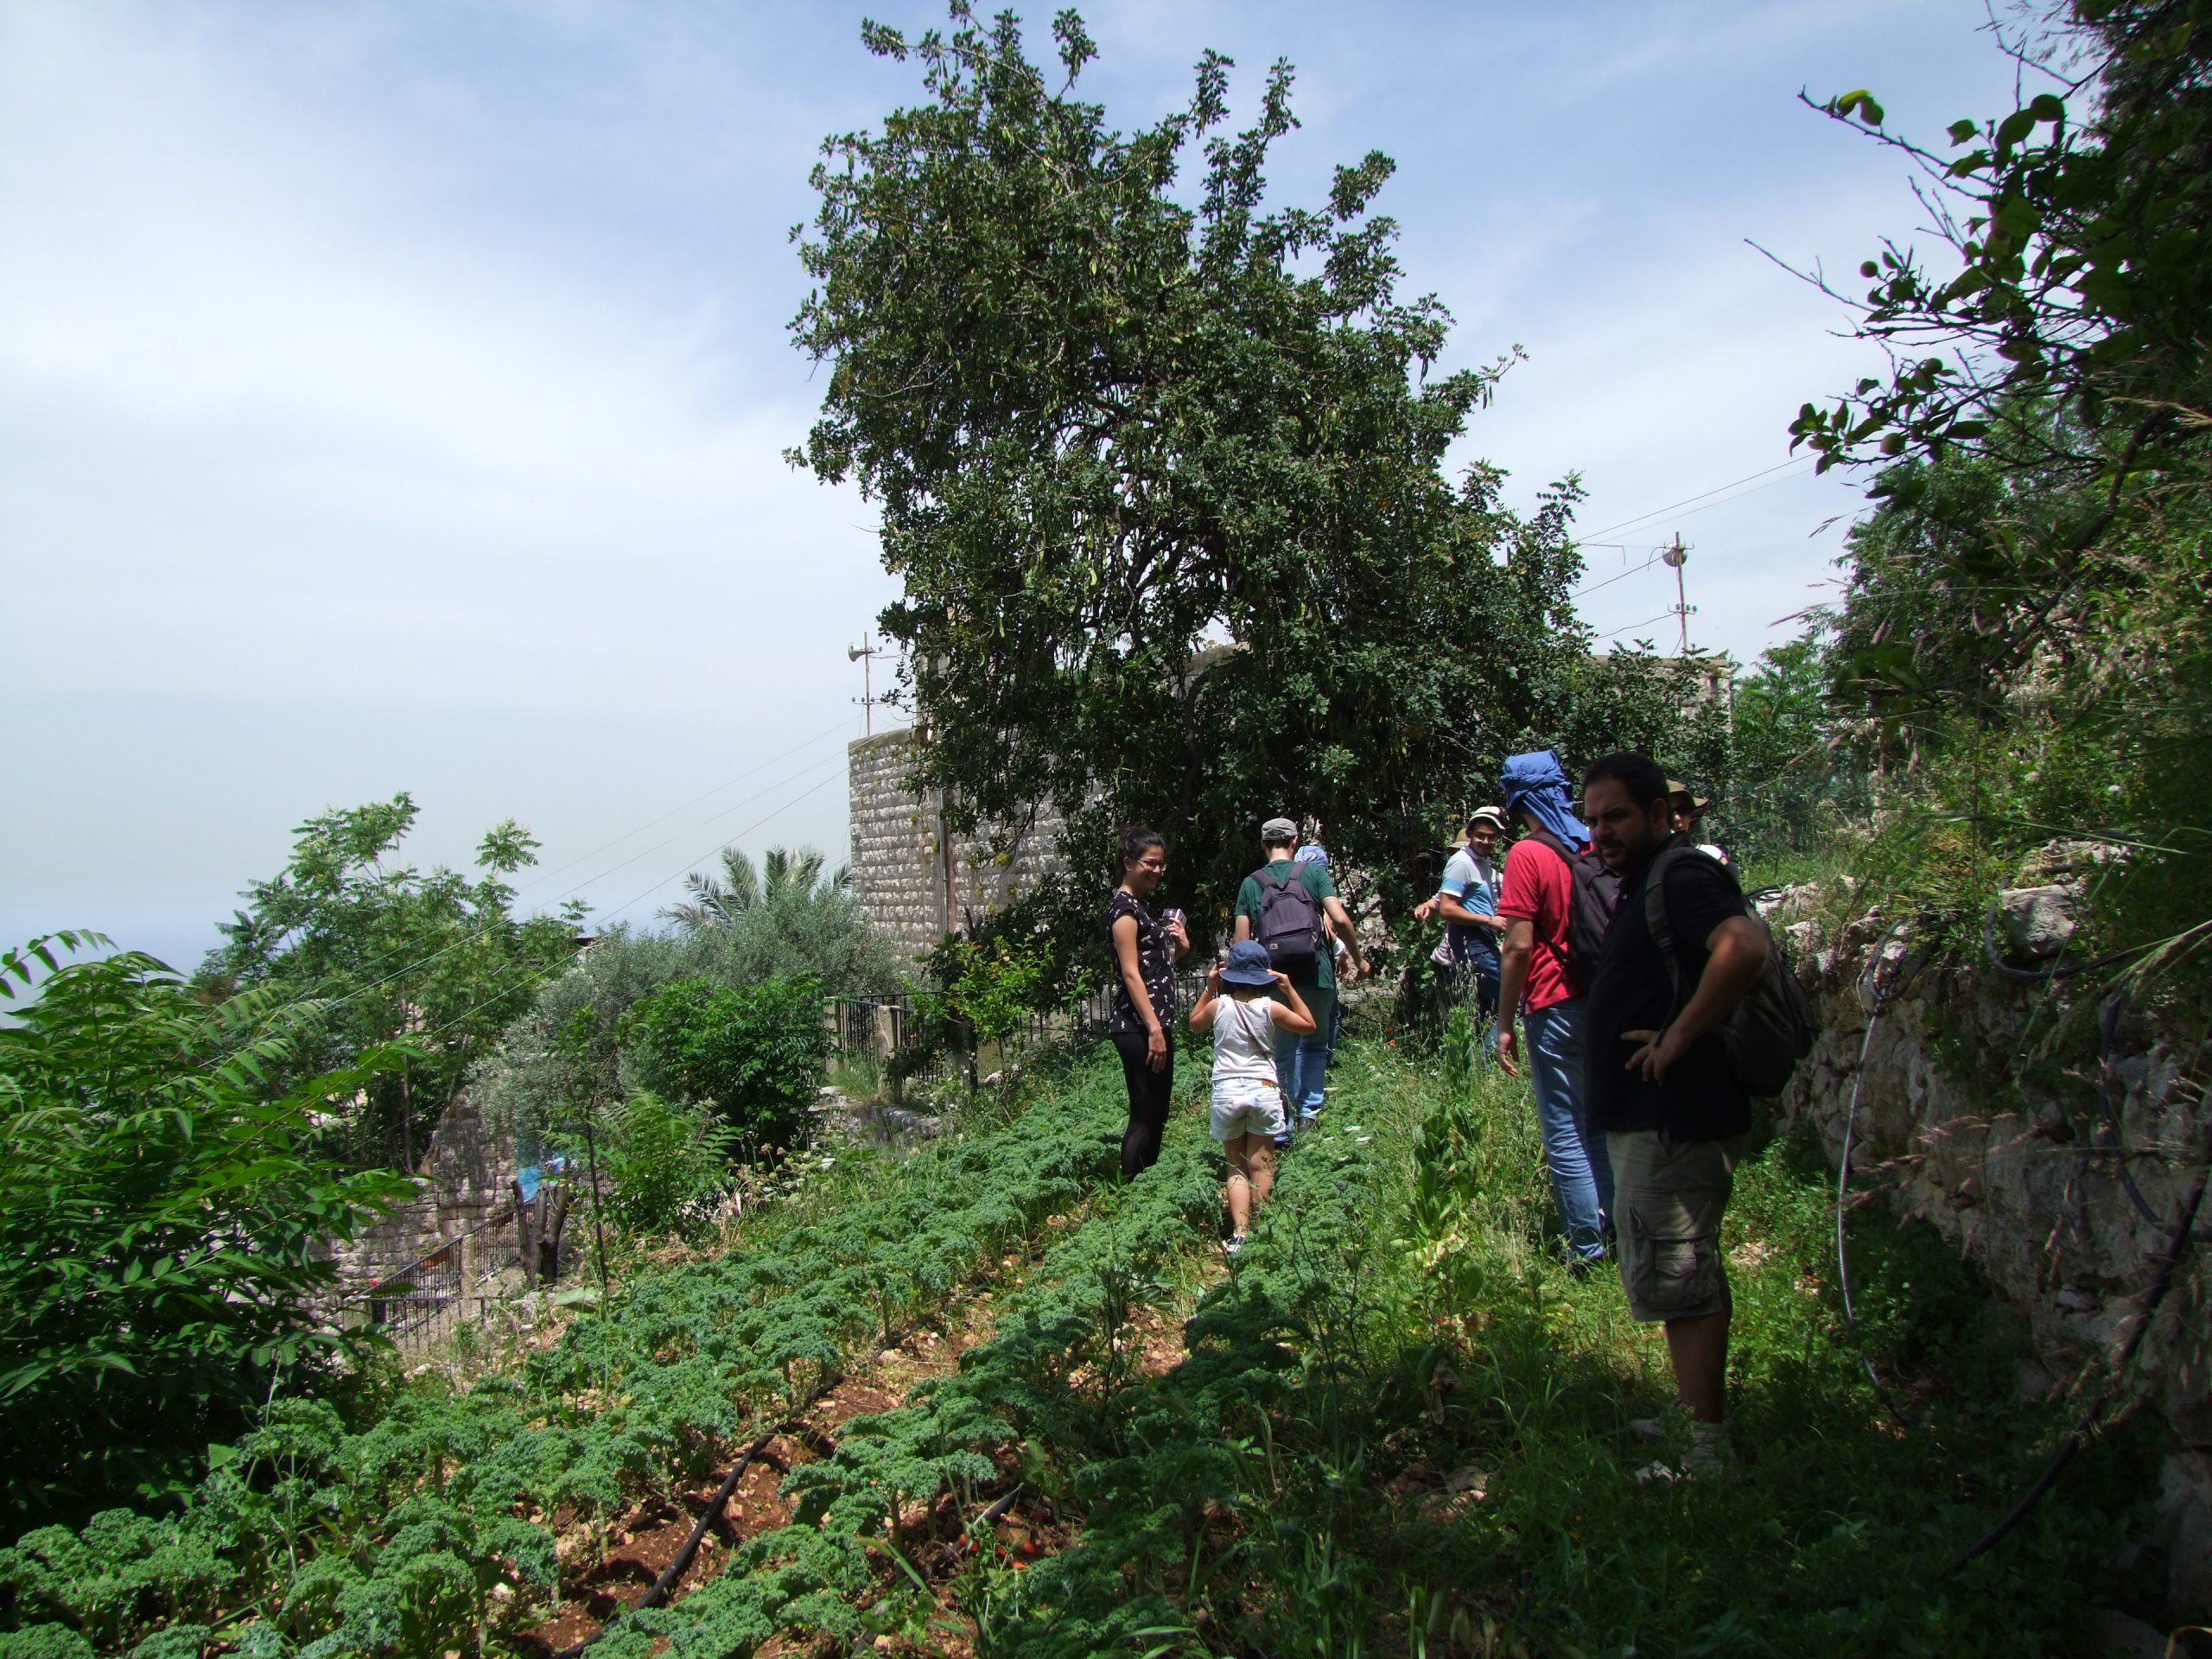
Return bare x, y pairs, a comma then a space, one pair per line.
917, 887
2023, 1182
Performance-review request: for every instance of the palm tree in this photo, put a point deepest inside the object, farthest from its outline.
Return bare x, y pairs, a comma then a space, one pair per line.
791, 877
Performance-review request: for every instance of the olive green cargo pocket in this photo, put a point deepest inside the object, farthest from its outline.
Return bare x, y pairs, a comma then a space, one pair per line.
1677, 1270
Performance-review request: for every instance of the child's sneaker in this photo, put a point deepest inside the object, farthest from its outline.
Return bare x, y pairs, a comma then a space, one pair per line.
1235, 1244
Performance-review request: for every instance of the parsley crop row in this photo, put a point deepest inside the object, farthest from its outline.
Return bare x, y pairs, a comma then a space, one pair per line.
1062, 1362
429, 1529
1188, 1503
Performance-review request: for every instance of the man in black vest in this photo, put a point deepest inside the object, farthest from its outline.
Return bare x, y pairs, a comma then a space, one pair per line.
1663, 1087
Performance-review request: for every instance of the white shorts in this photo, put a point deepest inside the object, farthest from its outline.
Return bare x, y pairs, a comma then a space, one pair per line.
1246, 1106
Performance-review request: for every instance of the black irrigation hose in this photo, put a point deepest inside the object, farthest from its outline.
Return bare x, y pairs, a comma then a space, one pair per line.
2057, 969
2107, 1026
2161, 1281
675, 1569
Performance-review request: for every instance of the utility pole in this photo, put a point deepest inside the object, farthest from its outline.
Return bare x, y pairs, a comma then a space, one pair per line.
865, 654
1677, 555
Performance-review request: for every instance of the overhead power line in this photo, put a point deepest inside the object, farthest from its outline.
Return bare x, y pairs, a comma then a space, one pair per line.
559, 963
1719, 489
1632, 627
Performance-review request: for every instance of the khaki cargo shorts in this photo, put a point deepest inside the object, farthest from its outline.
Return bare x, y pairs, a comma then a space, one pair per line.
1668, 1197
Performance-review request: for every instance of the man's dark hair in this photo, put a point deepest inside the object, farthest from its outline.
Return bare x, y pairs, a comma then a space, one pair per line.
1135, 843
1639, 774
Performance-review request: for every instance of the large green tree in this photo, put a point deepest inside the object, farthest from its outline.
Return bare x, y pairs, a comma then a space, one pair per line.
387, 950
1111, 418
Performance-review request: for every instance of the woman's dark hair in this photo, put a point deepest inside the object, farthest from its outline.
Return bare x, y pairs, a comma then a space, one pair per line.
1135, 843
1637, 773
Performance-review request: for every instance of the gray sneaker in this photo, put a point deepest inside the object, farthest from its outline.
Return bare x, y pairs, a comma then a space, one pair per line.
1710, 1452
1671, 1420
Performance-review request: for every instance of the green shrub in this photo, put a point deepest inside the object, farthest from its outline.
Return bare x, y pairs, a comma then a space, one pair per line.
756, 1054
667, 1166
162, 1227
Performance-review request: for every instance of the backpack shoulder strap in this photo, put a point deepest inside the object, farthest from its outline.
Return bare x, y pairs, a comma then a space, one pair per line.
1561, 850
1656, 917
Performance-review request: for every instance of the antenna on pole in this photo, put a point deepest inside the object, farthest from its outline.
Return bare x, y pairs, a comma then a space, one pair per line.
1677, 555
865, 654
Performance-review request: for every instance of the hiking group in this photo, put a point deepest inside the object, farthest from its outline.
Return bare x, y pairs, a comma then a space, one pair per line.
1653, 1005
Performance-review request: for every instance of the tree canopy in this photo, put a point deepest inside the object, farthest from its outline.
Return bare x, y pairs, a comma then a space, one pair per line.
1113, 419
386, 951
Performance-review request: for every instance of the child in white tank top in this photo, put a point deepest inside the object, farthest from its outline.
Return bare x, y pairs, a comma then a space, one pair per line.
1247, 1111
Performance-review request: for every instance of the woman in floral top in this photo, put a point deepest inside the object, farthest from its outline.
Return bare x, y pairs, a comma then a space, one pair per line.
1146, 947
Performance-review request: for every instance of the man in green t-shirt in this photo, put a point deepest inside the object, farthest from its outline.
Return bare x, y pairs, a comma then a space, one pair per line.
1302, 1062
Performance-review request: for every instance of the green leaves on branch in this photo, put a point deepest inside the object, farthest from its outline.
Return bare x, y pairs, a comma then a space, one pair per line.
1113, 410
387, 950
757, 1055
2082, 237
164, 1224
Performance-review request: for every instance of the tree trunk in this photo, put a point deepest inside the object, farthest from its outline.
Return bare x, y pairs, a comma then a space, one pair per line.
526, 1237
556, 1200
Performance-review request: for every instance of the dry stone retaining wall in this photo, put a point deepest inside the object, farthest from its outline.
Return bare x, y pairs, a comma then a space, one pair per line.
1961, 1123
466, 1178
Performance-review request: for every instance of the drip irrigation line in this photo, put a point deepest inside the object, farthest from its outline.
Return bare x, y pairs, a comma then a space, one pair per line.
675, 1569
2056, 970
2107, 1028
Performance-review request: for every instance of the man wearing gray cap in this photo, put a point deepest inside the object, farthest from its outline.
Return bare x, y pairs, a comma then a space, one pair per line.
1292, 909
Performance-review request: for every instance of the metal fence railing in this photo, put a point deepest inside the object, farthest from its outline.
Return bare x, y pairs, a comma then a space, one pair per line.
459, 1281
878, 1025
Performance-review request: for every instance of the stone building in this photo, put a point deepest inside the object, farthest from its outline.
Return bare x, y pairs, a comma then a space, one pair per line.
919, 880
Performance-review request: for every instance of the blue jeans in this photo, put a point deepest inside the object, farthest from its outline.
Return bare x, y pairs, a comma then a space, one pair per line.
1582, 1176
1302, 1062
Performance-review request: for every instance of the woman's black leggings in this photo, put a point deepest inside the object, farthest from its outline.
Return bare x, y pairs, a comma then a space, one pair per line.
1148, 1093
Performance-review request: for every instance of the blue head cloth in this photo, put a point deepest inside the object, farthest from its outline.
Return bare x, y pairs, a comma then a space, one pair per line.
1536, 783
1311, 852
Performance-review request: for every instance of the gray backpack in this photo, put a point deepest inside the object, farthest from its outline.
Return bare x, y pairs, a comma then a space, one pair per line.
1290, 922
1774, 1025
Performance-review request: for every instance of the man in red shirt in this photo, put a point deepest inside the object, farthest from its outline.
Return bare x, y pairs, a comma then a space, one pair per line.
1536, 899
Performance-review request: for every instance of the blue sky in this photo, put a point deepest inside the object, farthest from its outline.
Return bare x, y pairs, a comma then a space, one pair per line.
393, 396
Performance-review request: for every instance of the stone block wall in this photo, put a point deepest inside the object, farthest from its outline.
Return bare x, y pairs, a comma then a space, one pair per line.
2027, 1184
466, 1178
918, 881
